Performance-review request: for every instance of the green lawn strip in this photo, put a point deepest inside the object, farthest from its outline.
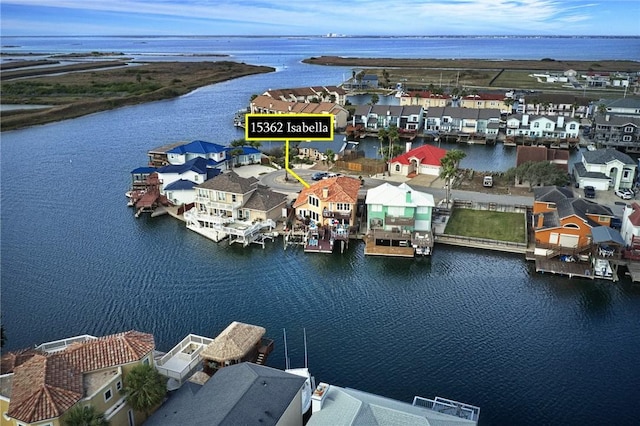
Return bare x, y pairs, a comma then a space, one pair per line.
492, 225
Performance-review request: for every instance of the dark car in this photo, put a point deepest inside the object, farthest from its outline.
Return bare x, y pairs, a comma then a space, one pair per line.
589, 192
319, 175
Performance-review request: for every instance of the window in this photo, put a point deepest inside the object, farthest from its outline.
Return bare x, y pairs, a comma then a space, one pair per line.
314, 201
547, 126
343, 207
376, 207
571, 225
118, 385
626, 173
145, 361
572, 127
314, 216
536, 125
107, 395
221, 196
397, 167
628, 129
233, 198
626, 138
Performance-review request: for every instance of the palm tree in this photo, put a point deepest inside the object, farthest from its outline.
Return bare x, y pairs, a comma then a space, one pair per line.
330, 156
382, 135
144, 388
449, 168
84, 416
393, 136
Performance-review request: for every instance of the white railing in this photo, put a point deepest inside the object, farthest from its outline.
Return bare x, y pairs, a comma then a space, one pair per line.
193, 357
449, 406
60, 345
220, 205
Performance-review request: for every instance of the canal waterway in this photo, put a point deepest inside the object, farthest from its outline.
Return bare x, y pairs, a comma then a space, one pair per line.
474, 326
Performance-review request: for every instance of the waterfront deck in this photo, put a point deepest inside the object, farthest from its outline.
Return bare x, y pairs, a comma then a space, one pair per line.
371, 249
570, 269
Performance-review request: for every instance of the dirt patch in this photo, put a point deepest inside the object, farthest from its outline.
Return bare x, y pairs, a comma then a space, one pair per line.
473, 181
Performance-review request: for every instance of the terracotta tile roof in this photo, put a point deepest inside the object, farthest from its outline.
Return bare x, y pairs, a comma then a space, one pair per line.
426, 154
11, 360
341, 189
634, 217
45, 386
108, 351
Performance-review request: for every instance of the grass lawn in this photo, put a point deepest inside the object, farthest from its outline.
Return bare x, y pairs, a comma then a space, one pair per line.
491, 225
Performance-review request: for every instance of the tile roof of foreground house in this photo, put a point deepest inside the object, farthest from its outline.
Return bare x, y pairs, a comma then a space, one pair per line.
240, 394
263, 199
11, 360
340, 189
47, 385
426, 154
233, 342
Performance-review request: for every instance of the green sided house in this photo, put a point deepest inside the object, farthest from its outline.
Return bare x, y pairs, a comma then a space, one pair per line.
398, 221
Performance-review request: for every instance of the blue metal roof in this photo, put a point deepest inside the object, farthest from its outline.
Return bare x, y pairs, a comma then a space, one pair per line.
197, 147
246, 150
144, 170
604, 234
198, 165
182, 184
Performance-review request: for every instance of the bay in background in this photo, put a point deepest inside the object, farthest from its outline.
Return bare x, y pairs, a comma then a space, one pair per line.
470, 325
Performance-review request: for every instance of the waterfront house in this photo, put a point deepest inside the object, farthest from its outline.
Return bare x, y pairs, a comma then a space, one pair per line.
314, 94
334, 405
39, 386
558, 157
555, 104
466, 123
159, 156
604, 169
399, 221
328, 208
244, 156
241, 394
229, 205
237, 343
267, 105
425, 99
423, 160
196, 170
562, 222
617, 131
207, 150
486, 101
543, 127
375, 117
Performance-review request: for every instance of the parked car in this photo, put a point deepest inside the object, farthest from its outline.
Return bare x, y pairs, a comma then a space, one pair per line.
319, 175
624, 194
589, 192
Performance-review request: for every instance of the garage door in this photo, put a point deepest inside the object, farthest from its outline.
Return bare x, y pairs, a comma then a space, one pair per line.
569, 240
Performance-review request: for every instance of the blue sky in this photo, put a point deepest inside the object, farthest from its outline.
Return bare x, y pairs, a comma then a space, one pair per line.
308, 17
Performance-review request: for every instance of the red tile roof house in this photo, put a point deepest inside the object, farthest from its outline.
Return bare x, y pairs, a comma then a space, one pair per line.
38, 386
424, 160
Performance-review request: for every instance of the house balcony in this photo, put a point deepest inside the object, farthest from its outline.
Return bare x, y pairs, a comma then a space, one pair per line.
180, 362
399, 221
218, 205
338, 215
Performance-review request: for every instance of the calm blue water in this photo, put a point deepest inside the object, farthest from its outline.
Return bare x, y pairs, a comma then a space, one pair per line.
474, 326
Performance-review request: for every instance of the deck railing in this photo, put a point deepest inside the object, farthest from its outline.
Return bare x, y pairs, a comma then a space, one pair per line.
59, 345
448, 406
192, 357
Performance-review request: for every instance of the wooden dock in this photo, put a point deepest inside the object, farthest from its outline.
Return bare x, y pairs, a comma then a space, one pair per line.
371, 249
570, 269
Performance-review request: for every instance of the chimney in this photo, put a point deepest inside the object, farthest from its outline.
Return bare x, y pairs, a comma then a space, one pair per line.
407, 146
560, 123
607, 117
408, 197
525, 119
325, 192
318, 397
540, 221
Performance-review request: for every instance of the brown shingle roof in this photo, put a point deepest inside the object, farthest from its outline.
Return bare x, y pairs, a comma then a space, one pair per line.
263, 199
341, 189
230, 182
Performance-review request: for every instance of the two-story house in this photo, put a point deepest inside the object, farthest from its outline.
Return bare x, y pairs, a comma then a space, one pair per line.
39, 386
329, 206
375, 117
556, 104
542, 126
605, 168
399, 221
617, 131
229, 205
196, 170
425, 99
207, 150
463, 121
564, 222
484, 101
333, 94
268, 105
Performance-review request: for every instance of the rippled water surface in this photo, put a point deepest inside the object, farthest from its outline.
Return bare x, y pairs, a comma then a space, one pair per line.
474, 326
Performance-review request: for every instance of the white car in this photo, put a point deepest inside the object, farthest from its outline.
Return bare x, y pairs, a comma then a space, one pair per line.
623, 194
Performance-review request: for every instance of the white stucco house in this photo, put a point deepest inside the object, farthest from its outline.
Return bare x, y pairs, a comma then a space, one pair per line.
604, 169
424, 160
